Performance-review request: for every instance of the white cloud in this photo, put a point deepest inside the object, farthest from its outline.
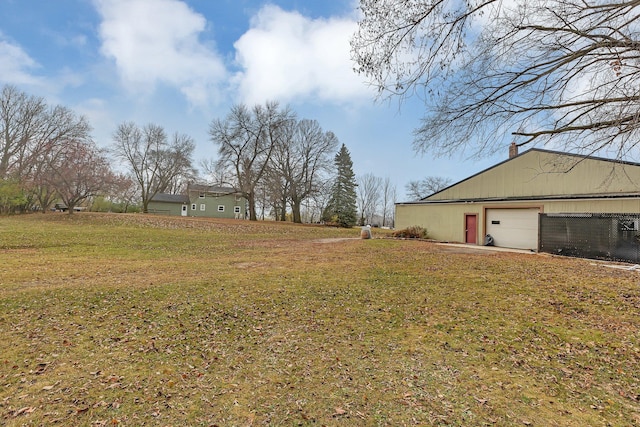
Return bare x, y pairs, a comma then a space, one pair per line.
285, 56
16, 65
156, 42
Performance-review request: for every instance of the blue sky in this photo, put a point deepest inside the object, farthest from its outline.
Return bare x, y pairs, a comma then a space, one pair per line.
180, 64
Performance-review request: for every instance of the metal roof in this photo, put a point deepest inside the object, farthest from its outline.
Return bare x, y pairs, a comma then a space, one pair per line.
211, 189
170, 198
580, 157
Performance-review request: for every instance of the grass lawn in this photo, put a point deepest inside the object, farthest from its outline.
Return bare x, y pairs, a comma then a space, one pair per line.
141, 320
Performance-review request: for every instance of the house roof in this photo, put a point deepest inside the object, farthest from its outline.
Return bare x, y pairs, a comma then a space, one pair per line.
170, 198
531, 198
184, 198
211, 189
552, 167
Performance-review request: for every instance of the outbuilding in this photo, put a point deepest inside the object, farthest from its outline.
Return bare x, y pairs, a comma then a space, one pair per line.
169, 204
506, 201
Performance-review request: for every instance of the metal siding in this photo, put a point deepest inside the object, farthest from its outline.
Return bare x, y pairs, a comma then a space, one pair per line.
594, 205
444, 222
537, 173
531, 174
517, 228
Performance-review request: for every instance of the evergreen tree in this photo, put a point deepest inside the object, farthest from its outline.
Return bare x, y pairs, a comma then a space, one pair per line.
341, 208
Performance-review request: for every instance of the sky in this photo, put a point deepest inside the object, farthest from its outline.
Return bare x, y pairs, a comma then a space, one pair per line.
182, 63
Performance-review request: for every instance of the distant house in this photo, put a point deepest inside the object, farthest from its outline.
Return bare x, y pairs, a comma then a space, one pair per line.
509, 200
201, 201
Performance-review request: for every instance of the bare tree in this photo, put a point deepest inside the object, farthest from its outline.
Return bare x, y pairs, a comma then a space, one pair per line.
316, 204
78, 171
265, 206
246, 140
278, 181
37, 183
314, 149
124, 191
213, 173
300, 161
417, 190
175, 165
29, 128
156, 164
565, 72
277, 189
368, 191
389, 194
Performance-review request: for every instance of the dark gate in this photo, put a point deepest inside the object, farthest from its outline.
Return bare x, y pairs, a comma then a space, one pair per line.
596, 236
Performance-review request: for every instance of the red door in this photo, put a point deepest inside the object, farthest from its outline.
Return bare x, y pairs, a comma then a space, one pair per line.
470, 228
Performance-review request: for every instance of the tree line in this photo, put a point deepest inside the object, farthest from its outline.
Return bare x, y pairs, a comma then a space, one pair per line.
47, 154
287, 168
540, 71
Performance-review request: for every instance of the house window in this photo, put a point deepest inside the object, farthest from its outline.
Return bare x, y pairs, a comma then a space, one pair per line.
202, 206
193, 207
237, 197
236, 209
202, 195
220, 208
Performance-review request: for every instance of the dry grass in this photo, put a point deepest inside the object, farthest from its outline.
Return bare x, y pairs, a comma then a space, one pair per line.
138, 320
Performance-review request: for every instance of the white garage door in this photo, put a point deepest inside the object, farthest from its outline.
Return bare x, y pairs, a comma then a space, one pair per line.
513, 228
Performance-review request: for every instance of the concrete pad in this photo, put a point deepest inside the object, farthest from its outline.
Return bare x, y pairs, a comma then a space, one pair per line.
481, 248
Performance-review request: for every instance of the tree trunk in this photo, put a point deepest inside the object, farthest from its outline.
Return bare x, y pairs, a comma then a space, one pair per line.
295, 208
283, 209
252, 207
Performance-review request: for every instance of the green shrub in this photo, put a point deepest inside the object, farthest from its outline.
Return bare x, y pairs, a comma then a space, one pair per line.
12, 196
413, 232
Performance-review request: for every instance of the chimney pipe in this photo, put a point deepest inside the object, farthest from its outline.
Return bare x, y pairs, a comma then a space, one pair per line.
513, 150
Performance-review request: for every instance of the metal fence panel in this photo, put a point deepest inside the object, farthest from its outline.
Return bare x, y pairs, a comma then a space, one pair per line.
593, 235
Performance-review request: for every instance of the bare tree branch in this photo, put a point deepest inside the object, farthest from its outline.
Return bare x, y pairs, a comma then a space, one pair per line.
157, 164
246, 140
564, 72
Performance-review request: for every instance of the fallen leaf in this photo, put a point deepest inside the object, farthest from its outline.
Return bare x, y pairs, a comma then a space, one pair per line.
480, 401
25, 410
339, 411
100, 403
40, 368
